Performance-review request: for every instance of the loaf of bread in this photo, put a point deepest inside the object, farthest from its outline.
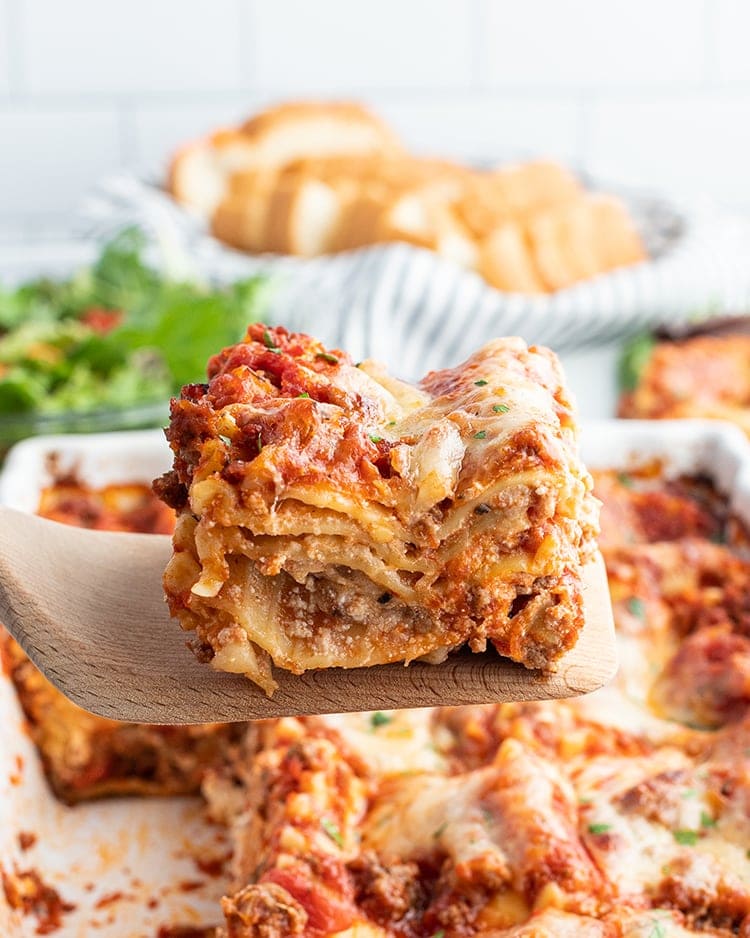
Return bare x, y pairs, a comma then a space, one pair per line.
310, 178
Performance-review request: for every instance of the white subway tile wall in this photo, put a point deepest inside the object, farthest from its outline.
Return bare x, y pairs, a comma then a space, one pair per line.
138, 47
5, 50
732, 34
685, 143
158, 129
651, 93
487, 127
330, 46
585, 43
49, 157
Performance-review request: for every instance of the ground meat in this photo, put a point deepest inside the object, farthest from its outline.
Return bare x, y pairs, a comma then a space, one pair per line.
262, 911
386, 893
706, 898
170, 490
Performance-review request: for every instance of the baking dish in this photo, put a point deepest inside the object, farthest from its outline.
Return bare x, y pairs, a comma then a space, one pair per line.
130, 866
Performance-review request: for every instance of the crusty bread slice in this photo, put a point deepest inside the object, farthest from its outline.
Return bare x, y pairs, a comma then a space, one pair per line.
532, 187
308, 129
618, 240
241, 218
578, 239
455, 241
425, 219
514, 193
582, 238
413, 218
547, 235
387, 198
419, 217
361, 220
200, 172
506, 262
303, 216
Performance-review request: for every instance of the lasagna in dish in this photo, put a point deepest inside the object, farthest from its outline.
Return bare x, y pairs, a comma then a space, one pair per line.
624, 814
87, 756
330, 515
704, 376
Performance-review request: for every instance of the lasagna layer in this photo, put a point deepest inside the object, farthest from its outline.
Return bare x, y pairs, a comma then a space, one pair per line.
332, 516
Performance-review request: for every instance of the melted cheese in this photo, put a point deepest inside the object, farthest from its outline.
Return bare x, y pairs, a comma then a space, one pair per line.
394, 742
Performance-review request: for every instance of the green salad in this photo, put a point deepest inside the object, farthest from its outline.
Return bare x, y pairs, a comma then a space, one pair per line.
115, 335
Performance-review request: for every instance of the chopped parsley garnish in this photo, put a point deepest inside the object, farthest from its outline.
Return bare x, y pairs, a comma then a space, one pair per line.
500, 408
303, 394
438, 833
689, 793
380, 719
599, 828
374, 438
268, 341
480, 435
707, 820
333, 832
384, 598
391, 423
327, 357
637, 607
624, 479
481, 383
685, 837
440, 933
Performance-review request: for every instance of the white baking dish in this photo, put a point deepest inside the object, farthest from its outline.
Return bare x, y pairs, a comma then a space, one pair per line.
96, 458
145, 848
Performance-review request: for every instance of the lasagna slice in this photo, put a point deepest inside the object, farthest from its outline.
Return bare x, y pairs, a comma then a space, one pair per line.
330, 515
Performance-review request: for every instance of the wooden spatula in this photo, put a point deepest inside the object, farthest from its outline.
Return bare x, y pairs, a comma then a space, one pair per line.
87, 608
